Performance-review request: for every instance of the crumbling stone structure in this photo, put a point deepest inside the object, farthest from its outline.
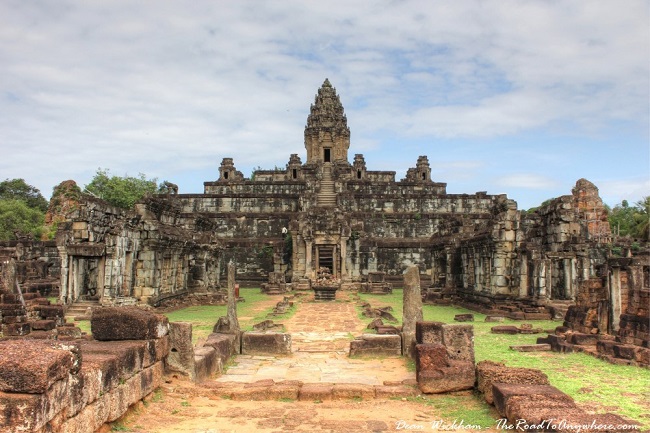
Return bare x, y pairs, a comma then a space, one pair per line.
121, 256
611, 317
78, 386
282, 226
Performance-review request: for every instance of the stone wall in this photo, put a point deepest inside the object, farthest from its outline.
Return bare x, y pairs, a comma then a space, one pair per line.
78, 386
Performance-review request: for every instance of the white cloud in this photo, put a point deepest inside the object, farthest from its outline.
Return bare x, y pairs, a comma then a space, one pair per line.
134, 88
527, 181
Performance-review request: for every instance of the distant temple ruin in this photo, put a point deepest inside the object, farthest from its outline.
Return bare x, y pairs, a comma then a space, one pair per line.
333, 212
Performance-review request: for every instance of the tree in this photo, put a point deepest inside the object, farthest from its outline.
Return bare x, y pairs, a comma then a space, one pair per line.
122, 192
17, 218
632, 221
18, 189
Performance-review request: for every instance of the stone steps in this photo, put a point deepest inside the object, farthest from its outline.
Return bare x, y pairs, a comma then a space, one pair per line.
327, 194
81, 310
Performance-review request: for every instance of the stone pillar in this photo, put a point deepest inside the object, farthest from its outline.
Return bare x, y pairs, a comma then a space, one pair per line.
232, 300
344, 272
308, 251
412, 312
615, 299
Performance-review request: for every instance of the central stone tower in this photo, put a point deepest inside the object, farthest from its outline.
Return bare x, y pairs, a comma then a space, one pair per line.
327, 136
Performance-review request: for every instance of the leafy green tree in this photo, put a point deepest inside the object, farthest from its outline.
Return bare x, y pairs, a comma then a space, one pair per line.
122, 192
632, 221
18, 189
17, 218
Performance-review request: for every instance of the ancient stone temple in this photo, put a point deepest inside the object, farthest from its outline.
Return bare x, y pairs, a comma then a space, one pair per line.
332, 213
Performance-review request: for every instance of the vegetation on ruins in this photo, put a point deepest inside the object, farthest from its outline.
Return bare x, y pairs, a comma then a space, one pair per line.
631, 221
121, 191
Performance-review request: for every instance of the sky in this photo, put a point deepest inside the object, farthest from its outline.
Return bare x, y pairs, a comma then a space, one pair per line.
516, 97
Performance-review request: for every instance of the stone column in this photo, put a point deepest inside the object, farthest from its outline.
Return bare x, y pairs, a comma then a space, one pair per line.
308, 247
412, 311
344, 272
233, 322
615, 300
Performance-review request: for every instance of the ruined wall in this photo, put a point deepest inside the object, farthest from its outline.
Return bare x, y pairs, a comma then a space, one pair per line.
37, 265
108, 253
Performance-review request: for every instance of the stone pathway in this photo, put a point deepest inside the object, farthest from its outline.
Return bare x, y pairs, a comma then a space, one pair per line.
321, 333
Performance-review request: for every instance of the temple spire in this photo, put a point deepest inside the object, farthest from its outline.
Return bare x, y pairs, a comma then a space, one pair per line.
327, 136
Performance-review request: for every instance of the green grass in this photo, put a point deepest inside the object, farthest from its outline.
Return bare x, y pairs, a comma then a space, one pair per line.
204, 317
468, 408
612, 388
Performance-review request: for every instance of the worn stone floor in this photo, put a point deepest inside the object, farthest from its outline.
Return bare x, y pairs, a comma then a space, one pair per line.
321, 332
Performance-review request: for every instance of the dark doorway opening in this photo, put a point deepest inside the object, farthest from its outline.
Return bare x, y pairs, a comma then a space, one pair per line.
326, 258
327, 157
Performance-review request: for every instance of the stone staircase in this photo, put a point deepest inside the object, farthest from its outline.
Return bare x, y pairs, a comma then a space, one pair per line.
559, 308
81, 309
327, 195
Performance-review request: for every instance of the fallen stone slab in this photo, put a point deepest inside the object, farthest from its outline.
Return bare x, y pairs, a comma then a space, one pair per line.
127, 323
504, 329
32, 366
494, 318
464, 317
490, 372
502, 392
265, 343
376, 345
531, 348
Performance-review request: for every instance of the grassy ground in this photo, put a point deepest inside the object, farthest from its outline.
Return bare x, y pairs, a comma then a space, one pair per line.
616, 388
254, 309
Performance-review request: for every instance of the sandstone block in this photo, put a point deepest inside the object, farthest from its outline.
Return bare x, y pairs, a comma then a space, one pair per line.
181, 356
315, 392
531, 348
224, 344
43, 325
265, 343
16, 329
51, 311
430, 357
32, 366
489, 372
464, 317
376, 345
31, 412
206, 363
504, 329
458, 339
502, 392
127, 323
583, 339
458, 376
344, 391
